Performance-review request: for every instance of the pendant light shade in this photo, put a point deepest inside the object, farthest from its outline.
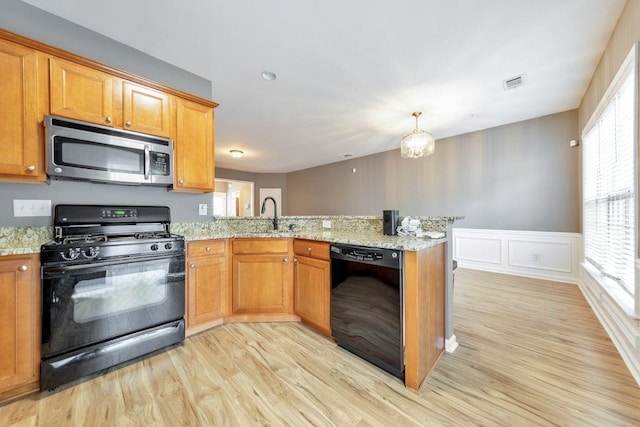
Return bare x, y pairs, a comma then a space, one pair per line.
418, 143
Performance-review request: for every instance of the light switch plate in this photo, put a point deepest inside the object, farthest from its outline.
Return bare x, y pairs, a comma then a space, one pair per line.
31, 207
202, 209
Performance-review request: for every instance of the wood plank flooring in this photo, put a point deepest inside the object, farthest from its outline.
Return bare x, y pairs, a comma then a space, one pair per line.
531, 353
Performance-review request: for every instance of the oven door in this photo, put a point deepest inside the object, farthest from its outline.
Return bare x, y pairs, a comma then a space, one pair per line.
89, 303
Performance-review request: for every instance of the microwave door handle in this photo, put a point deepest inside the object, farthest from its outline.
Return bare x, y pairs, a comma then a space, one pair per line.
147, 161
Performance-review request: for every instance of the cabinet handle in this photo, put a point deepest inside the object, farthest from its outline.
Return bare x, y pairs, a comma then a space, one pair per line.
108, 119
127, 123
23, 268
192, 266
31, 168
285, 259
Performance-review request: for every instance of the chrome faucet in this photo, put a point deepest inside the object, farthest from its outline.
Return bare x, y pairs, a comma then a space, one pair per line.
275, 210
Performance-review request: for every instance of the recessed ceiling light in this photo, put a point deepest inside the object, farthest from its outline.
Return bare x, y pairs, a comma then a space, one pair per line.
268, 75
236, 153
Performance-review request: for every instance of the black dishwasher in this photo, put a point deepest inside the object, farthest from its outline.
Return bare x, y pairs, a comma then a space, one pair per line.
367, 307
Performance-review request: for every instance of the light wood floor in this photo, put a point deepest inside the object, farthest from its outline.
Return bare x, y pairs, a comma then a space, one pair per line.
531, 353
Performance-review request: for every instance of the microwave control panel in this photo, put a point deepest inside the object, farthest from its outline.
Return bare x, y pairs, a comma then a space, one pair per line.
160, 163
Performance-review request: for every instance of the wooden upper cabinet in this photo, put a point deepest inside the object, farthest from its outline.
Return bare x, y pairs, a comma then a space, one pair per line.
194, 158
81, 93
21, 149
146, 110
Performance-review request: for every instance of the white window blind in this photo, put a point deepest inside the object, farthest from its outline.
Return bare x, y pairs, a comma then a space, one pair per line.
608, 187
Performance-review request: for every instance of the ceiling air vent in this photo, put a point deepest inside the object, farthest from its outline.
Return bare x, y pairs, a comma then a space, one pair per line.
513, 82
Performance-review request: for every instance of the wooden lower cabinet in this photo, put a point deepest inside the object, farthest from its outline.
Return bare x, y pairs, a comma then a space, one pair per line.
312, 285
262, 276
19, 325
424, 285
207, 284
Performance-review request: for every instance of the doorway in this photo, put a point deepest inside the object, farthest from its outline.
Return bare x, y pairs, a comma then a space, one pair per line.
233, 198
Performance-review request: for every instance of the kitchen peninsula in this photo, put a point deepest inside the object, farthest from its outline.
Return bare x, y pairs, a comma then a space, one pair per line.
240, 270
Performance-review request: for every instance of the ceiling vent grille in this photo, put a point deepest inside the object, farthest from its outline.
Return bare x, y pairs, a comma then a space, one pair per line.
513, 82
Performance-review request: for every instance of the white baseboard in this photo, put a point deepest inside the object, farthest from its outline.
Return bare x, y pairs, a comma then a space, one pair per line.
623, 330
543, 255
450, 344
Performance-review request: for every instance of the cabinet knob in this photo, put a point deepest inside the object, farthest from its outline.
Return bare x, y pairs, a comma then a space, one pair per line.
295, 260
23, 268
285, 259
127, 123
180, 182
31, 168
208, 249
309, 250
192, 266
108, 119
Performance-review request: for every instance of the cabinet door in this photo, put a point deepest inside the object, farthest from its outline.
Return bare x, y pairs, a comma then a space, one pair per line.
206, 283
146, 110
260, 284
312, 292
19, 323
81, 93
21, 144
194, 158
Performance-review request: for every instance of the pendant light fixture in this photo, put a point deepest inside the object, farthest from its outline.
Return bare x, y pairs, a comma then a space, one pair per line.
417, 143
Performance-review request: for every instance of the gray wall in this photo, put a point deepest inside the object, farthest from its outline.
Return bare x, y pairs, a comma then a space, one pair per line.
522, 176
26, 20
32, 22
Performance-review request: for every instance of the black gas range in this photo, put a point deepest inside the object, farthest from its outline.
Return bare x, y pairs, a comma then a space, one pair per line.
84, 233
113, 289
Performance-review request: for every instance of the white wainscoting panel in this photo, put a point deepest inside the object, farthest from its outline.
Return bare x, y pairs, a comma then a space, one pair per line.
540, 254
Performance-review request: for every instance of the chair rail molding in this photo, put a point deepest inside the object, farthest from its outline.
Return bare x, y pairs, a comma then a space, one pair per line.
540, 254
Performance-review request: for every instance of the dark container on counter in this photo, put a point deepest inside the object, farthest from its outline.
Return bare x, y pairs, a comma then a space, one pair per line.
390, 223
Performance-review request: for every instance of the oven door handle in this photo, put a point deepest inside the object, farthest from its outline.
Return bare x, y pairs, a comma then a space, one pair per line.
52, 271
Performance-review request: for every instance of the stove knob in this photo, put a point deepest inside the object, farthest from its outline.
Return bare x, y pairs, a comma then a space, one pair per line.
168, 246
155, 247
71, 254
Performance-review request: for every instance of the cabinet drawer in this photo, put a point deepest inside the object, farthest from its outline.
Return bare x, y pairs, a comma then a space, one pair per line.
311, 248
205, 247
261, 246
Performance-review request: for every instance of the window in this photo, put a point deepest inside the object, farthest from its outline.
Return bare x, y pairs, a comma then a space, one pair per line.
609, 183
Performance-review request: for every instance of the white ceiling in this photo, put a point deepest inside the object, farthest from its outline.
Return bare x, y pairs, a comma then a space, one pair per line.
351, 72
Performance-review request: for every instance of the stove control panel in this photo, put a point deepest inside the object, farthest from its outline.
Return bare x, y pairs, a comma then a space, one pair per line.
119, 213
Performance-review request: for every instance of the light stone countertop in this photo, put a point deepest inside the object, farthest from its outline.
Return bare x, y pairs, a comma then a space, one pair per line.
351, 230
28, 241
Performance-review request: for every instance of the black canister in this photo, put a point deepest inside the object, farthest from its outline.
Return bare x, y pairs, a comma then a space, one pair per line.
390, 223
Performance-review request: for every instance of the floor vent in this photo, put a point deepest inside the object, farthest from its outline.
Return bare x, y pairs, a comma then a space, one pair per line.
513, 82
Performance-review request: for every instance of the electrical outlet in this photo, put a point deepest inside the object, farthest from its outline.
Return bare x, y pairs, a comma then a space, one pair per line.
31, 207
202, 209
535, 257
326, 224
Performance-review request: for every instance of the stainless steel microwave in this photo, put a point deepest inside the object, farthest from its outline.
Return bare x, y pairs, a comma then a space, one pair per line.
85, 151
